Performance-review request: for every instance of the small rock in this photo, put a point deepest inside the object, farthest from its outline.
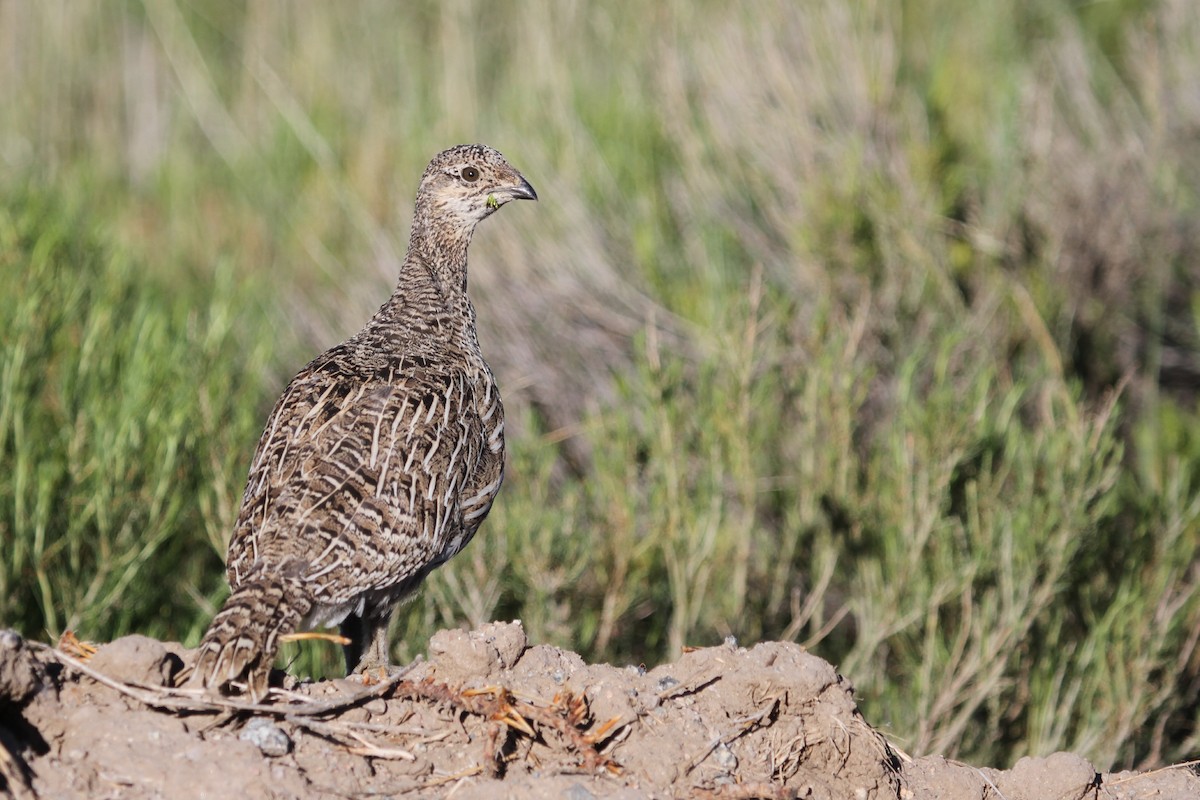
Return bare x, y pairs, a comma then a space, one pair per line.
267, 736
724, 758
578, 791
666, 683
20, 673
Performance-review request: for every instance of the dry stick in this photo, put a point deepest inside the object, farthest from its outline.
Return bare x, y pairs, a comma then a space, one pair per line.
388, 728
372, 750
689, 686
337, 731
391, 791
458, 776
416, 787
746, 791
493, 748
565, 723
750, 723
1140, 775
497, 704
189, 700
989, 782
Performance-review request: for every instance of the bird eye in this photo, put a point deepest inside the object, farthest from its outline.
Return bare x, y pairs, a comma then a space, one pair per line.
470, 174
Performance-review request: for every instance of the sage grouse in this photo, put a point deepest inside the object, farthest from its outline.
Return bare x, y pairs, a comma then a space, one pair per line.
382, 457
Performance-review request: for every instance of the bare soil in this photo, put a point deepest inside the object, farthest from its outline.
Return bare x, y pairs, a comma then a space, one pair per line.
487, 716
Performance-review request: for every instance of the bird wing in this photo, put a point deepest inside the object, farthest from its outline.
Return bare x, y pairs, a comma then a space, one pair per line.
360, 478
483, 482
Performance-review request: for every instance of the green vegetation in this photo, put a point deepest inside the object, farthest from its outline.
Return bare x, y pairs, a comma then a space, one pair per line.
123, 420
870, 326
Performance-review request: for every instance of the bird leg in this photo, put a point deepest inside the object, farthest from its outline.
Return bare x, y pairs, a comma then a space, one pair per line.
368, 647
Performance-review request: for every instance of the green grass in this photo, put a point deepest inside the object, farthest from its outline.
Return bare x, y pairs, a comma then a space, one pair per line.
869, 326
120, 427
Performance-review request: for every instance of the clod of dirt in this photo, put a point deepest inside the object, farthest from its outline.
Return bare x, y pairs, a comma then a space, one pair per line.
773, 714
138, 659
936, 778
21, 674
1062, 776
478, 653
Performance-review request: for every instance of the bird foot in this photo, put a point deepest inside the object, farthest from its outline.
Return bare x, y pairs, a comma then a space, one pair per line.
376, 673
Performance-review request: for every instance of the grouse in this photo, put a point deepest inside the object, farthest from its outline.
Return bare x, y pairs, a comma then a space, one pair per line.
382, 457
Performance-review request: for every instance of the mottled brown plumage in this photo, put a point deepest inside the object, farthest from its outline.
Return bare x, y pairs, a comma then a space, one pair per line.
382, 457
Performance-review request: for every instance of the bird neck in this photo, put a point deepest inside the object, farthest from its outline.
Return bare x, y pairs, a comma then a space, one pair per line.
433, 280
441, 243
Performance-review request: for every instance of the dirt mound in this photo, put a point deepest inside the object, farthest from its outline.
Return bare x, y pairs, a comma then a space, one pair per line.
487, 716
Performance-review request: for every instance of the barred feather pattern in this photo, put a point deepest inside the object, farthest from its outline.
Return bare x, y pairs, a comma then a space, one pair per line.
382, 457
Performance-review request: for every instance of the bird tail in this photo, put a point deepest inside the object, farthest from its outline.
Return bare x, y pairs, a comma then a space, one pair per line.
241, 642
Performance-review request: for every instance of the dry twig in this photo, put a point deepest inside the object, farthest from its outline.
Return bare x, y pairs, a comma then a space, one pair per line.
196, 700
566, 714
1137, 776
747, 791
745, 725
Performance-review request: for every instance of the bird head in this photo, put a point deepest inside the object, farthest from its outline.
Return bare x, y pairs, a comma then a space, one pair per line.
469, 182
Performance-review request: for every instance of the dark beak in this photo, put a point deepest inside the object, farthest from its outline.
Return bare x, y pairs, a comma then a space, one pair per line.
522, 191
